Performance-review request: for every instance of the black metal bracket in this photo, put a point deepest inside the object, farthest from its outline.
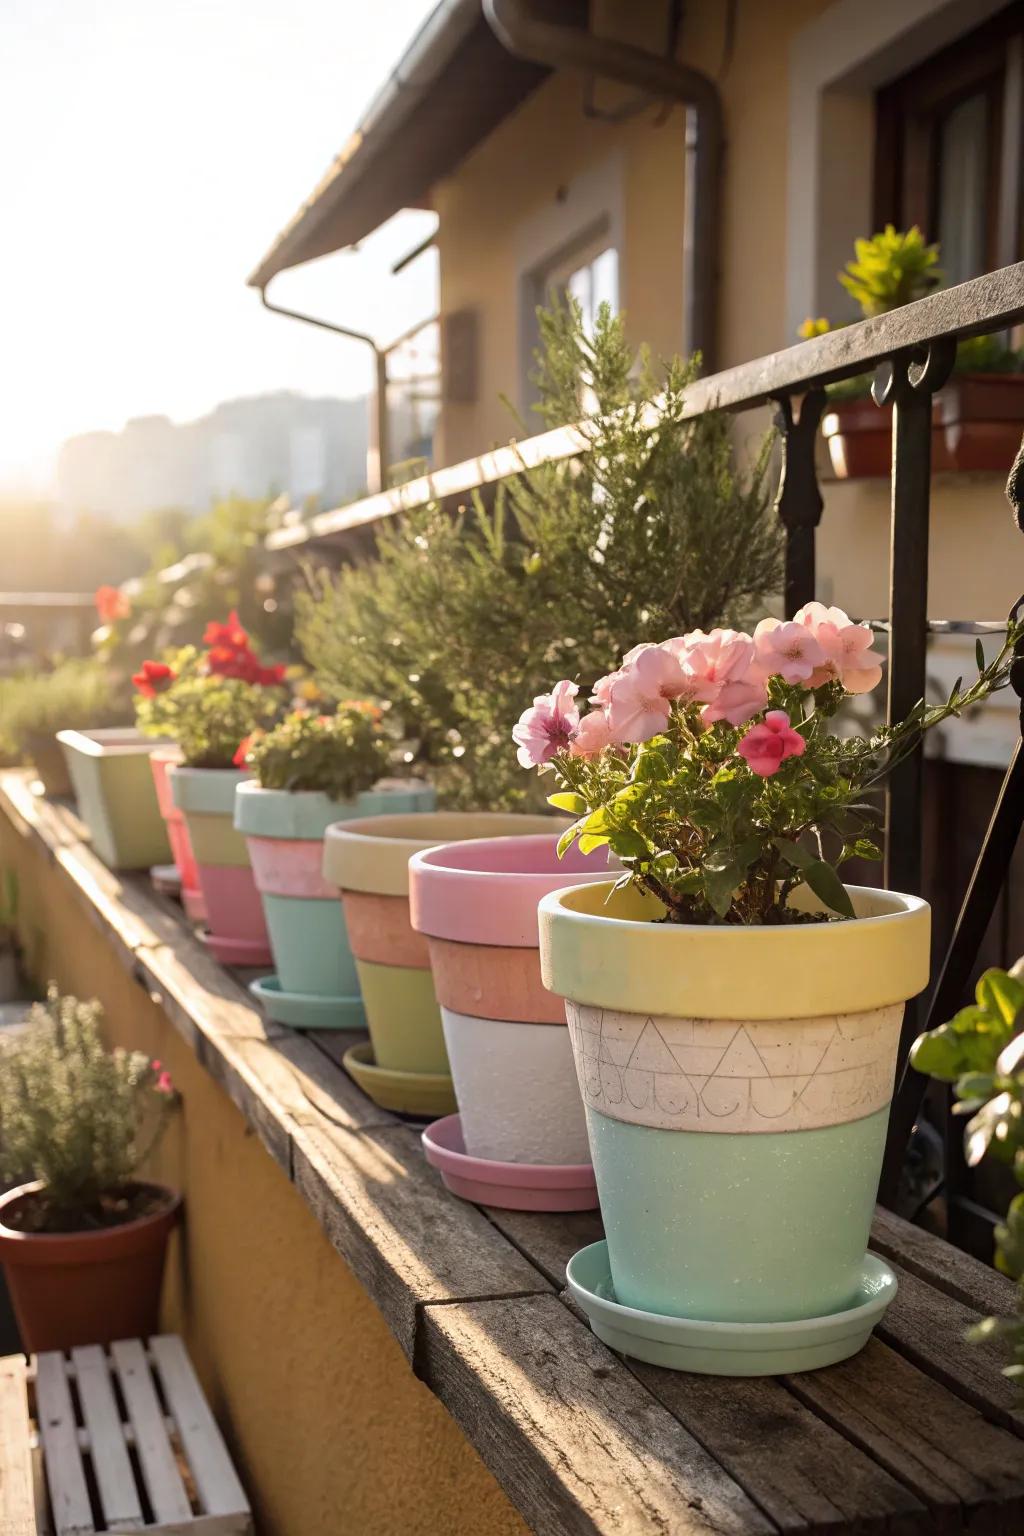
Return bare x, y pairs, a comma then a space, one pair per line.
799, 503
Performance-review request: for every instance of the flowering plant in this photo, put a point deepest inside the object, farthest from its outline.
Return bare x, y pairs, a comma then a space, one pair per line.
710, 767
338, 754
208, 701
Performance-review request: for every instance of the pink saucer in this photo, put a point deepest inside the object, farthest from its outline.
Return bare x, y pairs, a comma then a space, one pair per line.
510, 1186
236, 951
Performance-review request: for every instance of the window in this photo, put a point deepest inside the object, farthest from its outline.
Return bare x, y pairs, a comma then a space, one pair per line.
591, 282
948, 149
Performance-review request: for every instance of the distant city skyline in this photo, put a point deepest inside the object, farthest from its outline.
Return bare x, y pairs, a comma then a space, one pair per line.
153, 154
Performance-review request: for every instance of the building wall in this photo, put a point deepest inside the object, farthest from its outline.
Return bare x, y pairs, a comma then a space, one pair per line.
330, 1429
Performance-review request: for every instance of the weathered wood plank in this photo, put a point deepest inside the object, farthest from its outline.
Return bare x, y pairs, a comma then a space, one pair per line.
220, 1492
578, 1444
929, 1327
548, 1240
108, 1452
947, 1268
65, 1475
970, 1472
407, 1239
164, 1486
800, 1470
17, 1493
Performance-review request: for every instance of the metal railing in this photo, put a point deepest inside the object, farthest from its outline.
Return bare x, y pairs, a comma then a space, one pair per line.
912, 351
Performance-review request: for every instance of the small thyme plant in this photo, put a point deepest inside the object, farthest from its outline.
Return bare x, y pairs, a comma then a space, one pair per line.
339, 754
79, 1118
710, 766
981, 1052
208, 701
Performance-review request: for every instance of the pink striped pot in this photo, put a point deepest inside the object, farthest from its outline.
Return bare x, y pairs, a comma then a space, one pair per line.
507, 1041
160, 760
237, 931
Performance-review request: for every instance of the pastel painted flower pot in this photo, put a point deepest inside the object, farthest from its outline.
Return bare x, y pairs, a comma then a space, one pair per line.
369, 862
737, 1083
113, 785
284, 831
509, 1049
160, 760
237, 931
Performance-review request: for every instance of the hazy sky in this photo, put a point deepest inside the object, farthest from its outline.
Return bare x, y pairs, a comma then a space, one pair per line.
150, 150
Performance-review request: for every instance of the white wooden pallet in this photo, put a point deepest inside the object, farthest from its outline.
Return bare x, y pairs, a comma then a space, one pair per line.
128, 1443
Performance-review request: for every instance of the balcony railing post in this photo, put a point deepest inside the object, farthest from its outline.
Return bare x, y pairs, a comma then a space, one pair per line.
799, 502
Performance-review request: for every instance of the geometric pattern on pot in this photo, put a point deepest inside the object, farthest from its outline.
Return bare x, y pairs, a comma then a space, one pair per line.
735, 1075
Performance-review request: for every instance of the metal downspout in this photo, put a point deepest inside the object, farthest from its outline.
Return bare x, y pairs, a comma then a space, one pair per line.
522, 29
380, 442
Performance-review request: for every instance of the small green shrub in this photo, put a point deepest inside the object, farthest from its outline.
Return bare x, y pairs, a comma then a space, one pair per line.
891, 269
77, 694
78, 1117
338, 754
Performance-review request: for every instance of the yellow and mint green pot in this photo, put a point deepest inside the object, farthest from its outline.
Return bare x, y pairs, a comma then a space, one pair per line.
737, 1083
113, 784
369, 862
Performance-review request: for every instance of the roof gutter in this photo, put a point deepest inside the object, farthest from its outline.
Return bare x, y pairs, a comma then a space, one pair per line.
521, 27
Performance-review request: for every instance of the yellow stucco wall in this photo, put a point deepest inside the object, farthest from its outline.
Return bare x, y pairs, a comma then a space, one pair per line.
331, 1432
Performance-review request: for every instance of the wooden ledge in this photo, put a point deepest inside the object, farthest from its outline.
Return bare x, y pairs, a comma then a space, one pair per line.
919, 1433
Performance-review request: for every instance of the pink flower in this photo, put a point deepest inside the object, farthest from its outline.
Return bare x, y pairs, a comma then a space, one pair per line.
639, 699
737, 702
593, 735
548, 726
789, 651
846, 647
767, 745
163, 1083
603, 689
711, 661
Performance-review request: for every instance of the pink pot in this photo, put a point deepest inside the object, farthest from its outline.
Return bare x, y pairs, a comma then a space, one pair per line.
160, 759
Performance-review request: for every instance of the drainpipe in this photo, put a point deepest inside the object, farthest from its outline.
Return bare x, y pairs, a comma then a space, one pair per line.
379, 440
523, 30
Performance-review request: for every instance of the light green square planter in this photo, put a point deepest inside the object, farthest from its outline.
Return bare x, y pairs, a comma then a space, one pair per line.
113, 784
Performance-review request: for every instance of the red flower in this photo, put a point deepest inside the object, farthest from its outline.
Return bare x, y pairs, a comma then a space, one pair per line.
154, 678
270, 677
111, 604
230, 635
242, 752
164, 1084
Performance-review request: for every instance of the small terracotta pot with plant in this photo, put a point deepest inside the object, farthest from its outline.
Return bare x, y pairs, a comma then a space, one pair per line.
210, 702
83, 1242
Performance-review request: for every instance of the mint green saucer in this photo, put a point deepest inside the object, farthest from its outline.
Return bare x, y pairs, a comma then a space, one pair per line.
728, 1349
307, 1010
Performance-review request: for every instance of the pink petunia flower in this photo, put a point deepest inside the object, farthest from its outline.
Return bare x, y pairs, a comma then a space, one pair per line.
789, 651
593, 735
640, 698
737, 702
548, 726
767, 745
846, 646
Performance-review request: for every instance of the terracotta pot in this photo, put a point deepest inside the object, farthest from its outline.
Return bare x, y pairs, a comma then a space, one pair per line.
977, 422
507, 1043
237, 930
116, 797
859, 438
369, 862
85, 1287
160, 760
50, 765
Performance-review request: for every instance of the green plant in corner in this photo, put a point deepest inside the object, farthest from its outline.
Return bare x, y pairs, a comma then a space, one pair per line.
891, 269
981, 1052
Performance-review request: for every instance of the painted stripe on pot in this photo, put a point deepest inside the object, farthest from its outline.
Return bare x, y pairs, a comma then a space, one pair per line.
730, 1075
379, 930
403, 1018
214, 839
283, 867
307, 813
374, 855
739, 1228
516, 1089
208, 791
233, 905
493, 983
310, 946
486, 891
606, 948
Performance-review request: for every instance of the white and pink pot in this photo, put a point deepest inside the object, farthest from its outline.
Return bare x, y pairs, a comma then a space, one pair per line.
237, 930
506, 1036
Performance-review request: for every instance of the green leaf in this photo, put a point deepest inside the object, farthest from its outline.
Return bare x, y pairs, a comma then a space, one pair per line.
590, 840
939, 1053
828, 887
627, 844
568, 837
650, 766
565, 800
1000, 994
720, 886
979, 655
793, 854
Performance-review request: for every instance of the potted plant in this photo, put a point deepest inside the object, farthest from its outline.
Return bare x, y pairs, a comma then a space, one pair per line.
115, 795
83, 1243
505, 1034
75, 695
311, 771
734, 1009
405, 1066
977, 417
209, 702
161, 761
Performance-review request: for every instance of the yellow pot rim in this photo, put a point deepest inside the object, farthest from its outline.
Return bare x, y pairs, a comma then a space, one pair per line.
603, 948
373, 855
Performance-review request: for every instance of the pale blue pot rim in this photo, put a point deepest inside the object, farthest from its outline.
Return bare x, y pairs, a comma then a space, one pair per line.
205, 791
307, 813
